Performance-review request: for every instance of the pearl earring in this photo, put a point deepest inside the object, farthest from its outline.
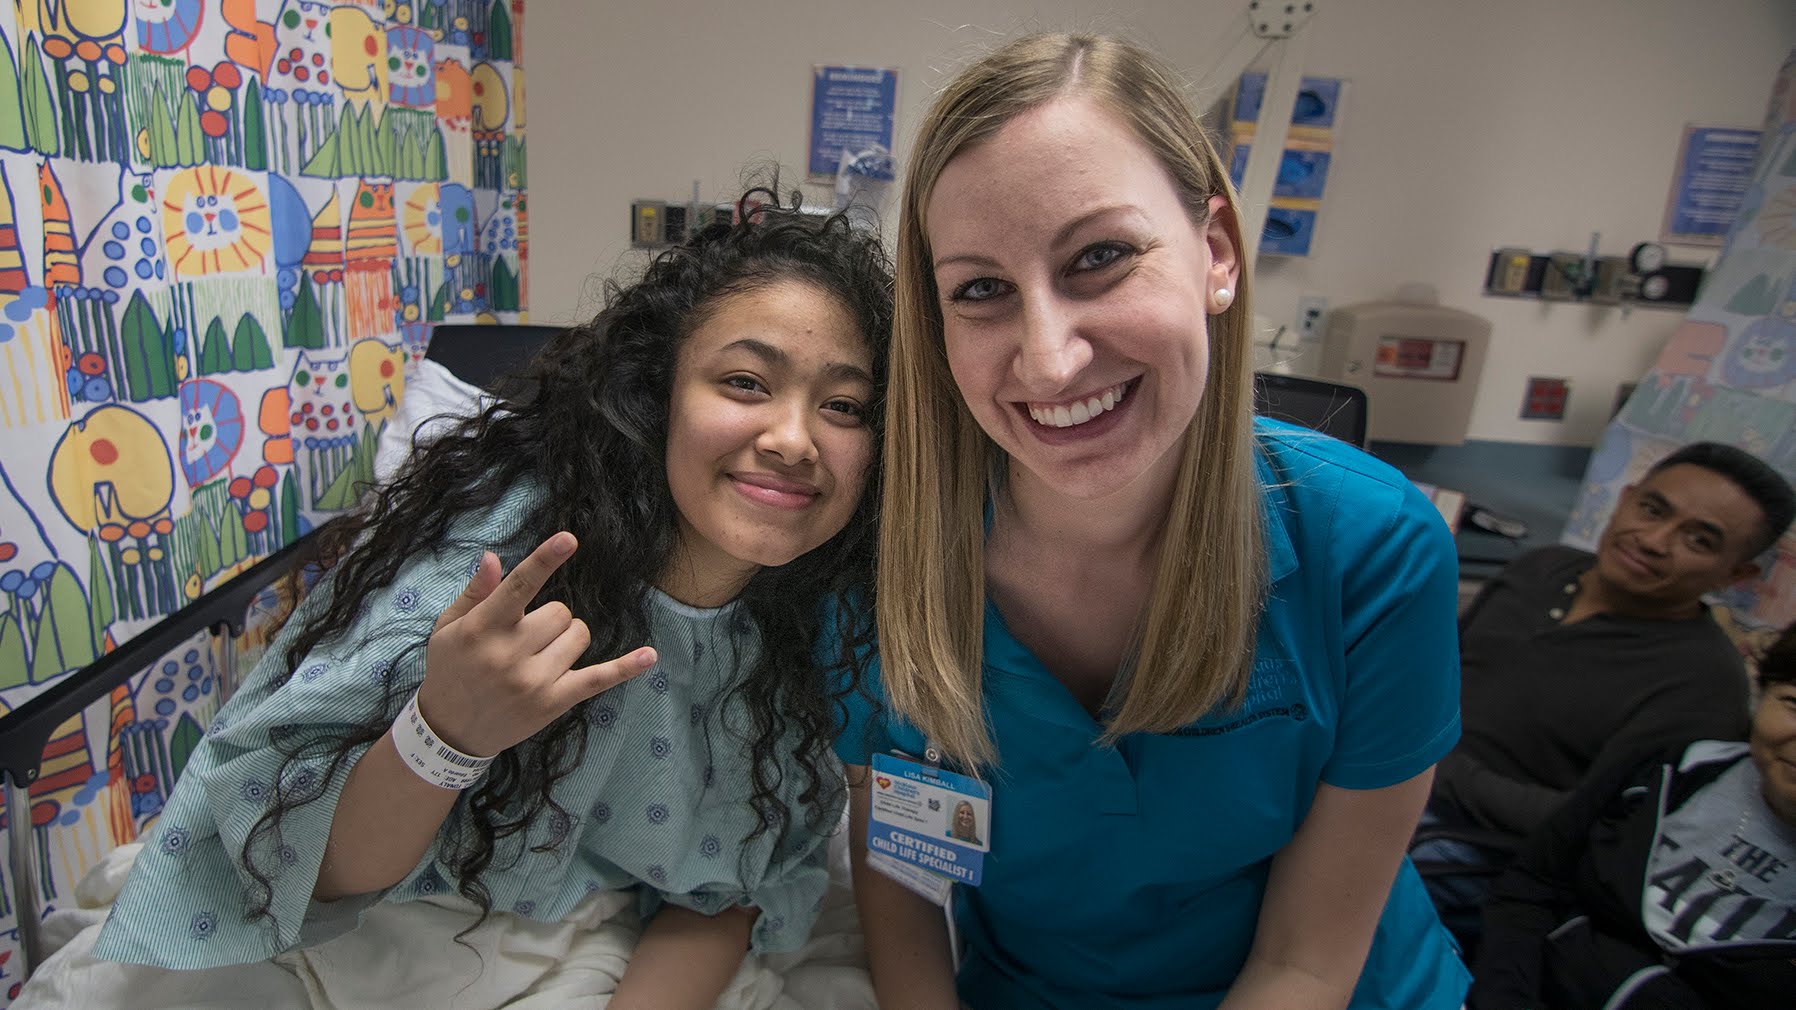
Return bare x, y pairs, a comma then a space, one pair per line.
1223, 299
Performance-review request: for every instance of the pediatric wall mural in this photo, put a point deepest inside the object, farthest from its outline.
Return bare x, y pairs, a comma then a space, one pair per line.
226, 230
1728, 374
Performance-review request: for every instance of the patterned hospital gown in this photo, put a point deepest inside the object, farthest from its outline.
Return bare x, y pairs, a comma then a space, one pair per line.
660, 802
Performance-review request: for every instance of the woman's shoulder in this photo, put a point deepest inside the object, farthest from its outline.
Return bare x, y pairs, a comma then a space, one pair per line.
1306, 464
1325, 495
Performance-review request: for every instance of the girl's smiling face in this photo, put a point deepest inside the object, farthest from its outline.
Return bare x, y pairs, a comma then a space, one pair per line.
768, 446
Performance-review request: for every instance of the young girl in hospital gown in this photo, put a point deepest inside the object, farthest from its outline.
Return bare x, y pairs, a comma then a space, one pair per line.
610, 584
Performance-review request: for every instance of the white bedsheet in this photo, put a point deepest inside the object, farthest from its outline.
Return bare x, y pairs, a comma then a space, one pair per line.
406, 955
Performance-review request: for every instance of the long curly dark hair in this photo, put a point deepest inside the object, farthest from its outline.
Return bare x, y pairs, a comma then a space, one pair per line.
587, 420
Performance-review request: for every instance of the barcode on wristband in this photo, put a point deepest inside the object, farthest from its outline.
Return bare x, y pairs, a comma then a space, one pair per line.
458, 758
431, 759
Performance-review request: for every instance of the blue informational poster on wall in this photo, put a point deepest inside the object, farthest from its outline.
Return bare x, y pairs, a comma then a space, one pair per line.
1713, 171
1288, 232
1304, 165
1301, 174
1318, 99
852, 110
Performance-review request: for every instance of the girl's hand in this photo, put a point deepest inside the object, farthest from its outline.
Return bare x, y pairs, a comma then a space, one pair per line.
495, 674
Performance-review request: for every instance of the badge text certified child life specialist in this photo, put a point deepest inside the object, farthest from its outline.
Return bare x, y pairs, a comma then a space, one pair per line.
929, 828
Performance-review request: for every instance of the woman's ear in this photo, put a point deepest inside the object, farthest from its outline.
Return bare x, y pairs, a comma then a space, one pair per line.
1222, 234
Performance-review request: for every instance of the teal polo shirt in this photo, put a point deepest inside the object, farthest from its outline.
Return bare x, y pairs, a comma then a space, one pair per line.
1132, 876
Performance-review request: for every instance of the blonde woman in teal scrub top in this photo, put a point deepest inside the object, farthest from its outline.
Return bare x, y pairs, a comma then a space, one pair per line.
1206, 662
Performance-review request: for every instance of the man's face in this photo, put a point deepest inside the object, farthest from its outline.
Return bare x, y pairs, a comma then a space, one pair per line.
1678, 534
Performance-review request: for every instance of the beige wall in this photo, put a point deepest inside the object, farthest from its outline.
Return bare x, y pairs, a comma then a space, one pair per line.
1468, 126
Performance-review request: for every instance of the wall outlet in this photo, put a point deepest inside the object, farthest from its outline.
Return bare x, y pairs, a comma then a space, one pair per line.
1312, 317
645, 222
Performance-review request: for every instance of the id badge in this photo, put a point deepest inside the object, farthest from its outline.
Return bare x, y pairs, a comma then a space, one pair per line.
929, 819
930, 887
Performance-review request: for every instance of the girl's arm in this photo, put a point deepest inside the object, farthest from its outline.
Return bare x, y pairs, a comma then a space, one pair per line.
907, 937
1327, 888
684, 959
382, 799
495, 674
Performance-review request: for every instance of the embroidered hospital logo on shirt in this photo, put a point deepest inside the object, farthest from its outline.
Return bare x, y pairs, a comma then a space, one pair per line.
1273, 693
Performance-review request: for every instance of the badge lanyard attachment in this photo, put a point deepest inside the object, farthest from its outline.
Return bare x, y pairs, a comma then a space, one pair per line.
932, 756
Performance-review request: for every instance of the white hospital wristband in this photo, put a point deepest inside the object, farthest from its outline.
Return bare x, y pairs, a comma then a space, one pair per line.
426, 754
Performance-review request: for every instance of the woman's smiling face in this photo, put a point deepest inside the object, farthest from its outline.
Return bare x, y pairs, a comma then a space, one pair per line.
1074, 290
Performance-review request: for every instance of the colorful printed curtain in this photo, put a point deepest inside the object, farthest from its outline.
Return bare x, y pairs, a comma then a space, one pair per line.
226, 230
1728, 374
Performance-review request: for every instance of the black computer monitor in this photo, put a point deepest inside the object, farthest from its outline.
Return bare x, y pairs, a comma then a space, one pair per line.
1327, 407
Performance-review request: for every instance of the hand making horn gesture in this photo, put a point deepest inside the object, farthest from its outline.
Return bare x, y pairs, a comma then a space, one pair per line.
496, 672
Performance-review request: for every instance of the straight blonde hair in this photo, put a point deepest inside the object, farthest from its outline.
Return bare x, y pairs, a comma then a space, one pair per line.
1194, 643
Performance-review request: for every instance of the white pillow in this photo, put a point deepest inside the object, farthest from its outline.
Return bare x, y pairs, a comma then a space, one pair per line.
434, 402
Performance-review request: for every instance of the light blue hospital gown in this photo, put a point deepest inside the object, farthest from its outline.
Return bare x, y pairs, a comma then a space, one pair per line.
660, 803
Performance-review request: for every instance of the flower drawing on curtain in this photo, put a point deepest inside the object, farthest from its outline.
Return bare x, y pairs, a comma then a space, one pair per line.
112, 477
411, 80
215, 221
211, 429
167, 27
